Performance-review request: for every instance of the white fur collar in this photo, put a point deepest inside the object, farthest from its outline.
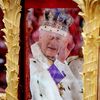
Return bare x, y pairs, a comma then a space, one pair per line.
37, 53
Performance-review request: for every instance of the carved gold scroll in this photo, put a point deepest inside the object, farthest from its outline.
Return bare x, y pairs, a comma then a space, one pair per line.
11, 10
91, 15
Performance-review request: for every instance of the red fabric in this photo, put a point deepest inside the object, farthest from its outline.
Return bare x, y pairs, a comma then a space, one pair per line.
50, 4
75, 31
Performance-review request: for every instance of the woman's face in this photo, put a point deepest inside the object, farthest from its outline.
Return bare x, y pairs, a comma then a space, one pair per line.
50, 43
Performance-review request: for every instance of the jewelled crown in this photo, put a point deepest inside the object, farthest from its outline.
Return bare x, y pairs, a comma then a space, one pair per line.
56, 20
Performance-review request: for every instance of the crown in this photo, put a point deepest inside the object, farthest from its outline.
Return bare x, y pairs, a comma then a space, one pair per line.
56, 20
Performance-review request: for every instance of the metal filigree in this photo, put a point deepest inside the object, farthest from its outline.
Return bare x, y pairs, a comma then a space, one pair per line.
91, 14
11, 10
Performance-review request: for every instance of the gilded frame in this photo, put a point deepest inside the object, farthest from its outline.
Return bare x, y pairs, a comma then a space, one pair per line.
91, 35
11, 10
90, 11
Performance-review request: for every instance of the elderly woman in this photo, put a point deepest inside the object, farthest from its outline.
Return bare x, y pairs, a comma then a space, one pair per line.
50, 75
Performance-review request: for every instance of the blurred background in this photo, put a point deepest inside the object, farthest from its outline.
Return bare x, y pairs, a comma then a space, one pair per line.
3, 51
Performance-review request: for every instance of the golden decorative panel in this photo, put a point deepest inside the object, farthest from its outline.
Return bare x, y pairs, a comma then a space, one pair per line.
91, 15
11, 10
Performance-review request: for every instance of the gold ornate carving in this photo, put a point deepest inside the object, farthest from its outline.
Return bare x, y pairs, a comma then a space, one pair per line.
91, 14
11, 9
3, 96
